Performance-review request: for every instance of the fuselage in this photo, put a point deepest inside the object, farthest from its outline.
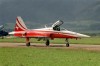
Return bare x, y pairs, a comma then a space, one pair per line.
48, 32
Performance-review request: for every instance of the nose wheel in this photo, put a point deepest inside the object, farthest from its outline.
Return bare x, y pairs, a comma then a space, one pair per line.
67, 42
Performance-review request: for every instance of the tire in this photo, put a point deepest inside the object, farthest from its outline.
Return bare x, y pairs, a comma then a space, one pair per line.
67, 44
28, 44
47, 42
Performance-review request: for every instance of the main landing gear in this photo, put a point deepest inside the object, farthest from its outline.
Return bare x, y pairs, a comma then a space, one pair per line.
47, 42
67, 42
27, 42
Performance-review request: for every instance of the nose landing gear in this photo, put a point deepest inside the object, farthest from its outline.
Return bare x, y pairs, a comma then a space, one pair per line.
67, 42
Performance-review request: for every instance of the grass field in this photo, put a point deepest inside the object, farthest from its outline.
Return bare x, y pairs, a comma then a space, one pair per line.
91, 40
49, 56
30, 56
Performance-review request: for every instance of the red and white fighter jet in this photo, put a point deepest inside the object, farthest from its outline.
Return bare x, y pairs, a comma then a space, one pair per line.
46, 33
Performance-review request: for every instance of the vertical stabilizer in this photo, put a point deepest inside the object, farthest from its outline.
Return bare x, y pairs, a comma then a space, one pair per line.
20, 25
1, 27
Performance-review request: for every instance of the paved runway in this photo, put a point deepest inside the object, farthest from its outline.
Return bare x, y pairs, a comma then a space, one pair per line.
72, 46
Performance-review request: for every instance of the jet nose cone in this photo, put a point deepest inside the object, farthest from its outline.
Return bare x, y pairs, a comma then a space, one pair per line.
86, 36
83, 35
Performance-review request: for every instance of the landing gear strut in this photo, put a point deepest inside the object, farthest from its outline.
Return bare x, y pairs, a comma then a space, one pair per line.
67, 42
47, 42
27, 42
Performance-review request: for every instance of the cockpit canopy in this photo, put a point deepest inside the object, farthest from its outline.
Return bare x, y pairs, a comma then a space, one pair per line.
56, 25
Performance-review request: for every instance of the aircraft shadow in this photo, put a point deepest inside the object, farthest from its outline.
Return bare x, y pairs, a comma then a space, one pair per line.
43, 46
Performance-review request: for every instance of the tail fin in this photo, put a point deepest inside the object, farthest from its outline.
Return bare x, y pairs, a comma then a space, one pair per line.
1, 27
20, 26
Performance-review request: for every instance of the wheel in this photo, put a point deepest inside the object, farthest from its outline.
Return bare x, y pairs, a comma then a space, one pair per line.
47, 42
67, 44
28, 44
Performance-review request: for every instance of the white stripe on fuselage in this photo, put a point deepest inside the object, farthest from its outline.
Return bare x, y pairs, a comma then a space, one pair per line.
64, 32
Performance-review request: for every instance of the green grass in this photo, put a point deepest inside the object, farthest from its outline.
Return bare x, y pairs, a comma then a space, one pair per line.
92, 40
48, 57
